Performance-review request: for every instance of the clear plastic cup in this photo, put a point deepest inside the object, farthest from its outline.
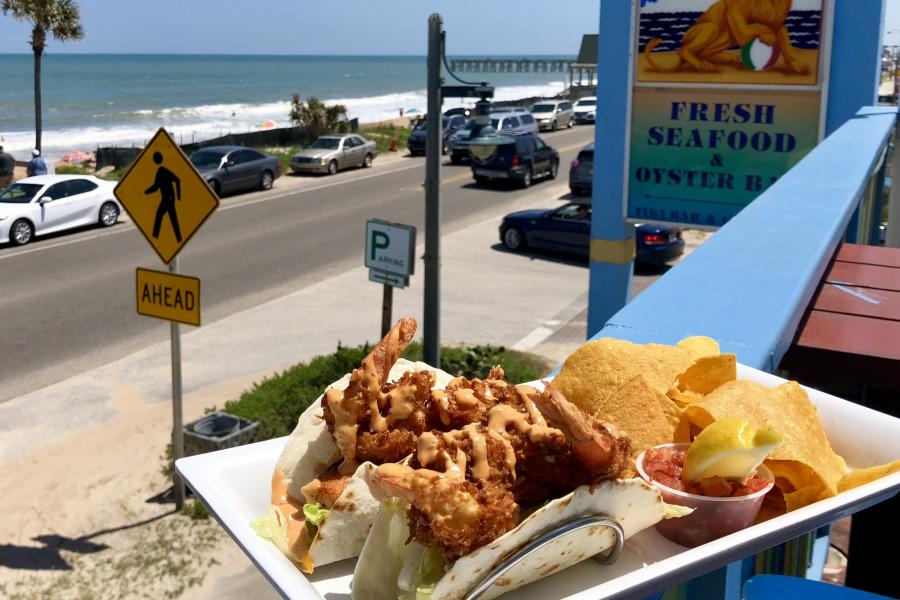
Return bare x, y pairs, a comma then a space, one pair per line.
713, 517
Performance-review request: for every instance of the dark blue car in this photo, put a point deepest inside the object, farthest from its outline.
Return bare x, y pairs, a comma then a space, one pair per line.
449, 125
568, 229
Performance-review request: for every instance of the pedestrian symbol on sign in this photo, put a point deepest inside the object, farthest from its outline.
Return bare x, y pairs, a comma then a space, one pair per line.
165, 196
169, 188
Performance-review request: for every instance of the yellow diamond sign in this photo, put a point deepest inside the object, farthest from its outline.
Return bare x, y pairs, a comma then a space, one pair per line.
165, 196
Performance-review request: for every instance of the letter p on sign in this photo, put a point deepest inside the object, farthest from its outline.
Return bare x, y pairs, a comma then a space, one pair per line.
380, 241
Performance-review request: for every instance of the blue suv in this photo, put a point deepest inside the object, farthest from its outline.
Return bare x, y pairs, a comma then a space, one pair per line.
512, 121
519, 158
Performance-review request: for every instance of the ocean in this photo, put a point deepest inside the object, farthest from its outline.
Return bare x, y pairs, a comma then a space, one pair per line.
92, 100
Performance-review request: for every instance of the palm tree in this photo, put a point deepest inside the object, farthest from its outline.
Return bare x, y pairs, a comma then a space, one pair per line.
58, 18
316, 115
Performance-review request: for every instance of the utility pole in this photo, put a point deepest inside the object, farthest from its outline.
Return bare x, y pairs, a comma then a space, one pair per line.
431, 343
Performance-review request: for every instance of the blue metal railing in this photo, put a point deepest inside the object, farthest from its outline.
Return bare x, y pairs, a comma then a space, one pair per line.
750, 283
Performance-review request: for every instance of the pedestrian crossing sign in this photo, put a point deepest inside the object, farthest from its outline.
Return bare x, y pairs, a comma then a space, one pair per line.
165, 196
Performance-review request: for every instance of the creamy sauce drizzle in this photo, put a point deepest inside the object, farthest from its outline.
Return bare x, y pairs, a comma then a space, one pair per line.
296, 522
503, 415
427, 451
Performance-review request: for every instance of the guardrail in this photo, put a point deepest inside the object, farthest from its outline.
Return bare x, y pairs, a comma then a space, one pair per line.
749, 284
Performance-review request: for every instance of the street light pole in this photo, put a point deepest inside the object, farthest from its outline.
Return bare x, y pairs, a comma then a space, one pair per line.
431, 342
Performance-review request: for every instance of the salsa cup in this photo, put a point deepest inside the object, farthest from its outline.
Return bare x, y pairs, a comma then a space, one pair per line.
713, 517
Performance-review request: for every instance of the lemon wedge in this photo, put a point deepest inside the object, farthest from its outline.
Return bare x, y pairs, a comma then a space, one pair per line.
728, 448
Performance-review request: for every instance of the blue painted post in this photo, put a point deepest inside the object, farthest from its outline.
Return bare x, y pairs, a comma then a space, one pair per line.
855, 69
612, 240
855, 59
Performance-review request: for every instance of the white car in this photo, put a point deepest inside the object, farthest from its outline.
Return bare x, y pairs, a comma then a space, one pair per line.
586, 110
48, 203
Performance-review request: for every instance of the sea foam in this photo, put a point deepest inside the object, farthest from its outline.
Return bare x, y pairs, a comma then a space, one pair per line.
197, 123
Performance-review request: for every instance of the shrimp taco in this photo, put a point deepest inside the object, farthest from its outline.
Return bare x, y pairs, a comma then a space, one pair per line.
322, 508
469, 498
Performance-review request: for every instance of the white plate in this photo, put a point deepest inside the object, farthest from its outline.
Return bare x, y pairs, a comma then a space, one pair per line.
235, 485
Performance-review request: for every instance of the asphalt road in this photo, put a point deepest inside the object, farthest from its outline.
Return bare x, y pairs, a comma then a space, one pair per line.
68, 301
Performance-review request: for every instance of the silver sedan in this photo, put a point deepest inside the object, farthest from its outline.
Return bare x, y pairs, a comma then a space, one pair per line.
331, 153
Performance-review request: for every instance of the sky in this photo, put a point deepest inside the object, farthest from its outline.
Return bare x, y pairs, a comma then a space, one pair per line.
384, 27
481, 27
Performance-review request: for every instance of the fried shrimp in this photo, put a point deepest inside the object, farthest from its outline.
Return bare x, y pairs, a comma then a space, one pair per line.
592, 443
373, 419
448, 512
326, 488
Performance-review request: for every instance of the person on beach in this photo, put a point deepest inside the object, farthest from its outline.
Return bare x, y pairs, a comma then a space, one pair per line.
169, 187
7, 168
36, 166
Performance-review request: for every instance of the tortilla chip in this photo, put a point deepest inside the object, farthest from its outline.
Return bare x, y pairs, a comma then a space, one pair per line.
702, 377
860, 477
599, 368
647, 417
700, 346
806, 468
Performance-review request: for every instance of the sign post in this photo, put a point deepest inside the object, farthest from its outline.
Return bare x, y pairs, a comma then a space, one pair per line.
168, 201
390, 249
177, 433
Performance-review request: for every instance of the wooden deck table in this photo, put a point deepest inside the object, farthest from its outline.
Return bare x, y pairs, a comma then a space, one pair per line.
851, 331
850, 337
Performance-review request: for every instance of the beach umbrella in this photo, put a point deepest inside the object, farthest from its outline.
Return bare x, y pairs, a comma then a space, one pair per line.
267, 124
413, 111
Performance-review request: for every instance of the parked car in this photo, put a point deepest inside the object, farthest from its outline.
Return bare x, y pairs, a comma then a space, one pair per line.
449, 125
458, 142
568, 229
586, 110
553, 114
331, 153
503, 109
465, 111
518, 158
581, 172
514, 122
235, 168
520, 122
48, 203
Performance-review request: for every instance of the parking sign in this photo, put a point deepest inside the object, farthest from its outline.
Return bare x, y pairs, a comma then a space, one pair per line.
390, 247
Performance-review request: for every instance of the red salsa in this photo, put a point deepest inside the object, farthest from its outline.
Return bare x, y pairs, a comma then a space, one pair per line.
664, 465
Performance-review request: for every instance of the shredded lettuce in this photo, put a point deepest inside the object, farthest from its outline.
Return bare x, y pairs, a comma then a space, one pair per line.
429, 571
273, 527
314, 514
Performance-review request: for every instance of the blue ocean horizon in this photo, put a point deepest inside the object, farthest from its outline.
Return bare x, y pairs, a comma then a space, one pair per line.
107, 99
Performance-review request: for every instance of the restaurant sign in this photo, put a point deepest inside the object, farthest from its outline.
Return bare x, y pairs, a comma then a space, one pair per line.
721, 107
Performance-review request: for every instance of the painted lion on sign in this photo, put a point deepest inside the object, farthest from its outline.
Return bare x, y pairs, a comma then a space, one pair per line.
728, 24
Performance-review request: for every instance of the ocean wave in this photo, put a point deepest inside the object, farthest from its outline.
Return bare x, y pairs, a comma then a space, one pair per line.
187, 124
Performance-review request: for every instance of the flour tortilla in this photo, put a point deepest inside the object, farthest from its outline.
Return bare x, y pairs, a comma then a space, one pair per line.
310, 450
631, 502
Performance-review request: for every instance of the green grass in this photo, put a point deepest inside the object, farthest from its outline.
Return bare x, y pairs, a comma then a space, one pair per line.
284, 154
383, 134
277, 401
